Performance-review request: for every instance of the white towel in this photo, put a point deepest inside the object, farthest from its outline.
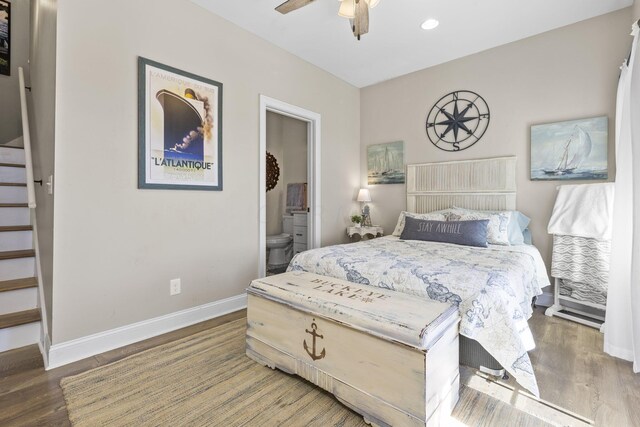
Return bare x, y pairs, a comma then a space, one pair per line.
583, 211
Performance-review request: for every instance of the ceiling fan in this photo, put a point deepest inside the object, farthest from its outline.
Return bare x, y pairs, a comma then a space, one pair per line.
357, 11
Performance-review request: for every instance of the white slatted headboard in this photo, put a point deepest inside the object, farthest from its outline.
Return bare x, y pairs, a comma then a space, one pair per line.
487, 184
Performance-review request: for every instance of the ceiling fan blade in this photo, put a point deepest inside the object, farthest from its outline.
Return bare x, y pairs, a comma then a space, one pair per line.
364, 18
291, 5
361, 20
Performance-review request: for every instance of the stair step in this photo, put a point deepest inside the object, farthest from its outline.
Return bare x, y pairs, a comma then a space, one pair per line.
20, 359
18, 300
14, 215
17, 254
15, 240
13, 193
19, 318
15, 228
12, 285
14, 205
13, 184
18, 268
13, 173
11, 155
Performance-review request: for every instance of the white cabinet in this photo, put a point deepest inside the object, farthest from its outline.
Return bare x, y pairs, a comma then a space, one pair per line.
300, 232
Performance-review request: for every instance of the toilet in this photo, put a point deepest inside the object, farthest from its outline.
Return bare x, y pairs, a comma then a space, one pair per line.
280, 246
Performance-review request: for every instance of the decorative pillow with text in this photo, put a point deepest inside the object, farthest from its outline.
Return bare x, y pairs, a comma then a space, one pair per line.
467, 233
518, 222
431, 216
498, 228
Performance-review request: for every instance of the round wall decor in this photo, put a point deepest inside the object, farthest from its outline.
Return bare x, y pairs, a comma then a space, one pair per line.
273, 171
458, 120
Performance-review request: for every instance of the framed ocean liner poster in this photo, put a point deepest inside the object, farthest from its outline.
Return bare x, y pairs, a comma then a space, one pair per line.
179, 129
5, 38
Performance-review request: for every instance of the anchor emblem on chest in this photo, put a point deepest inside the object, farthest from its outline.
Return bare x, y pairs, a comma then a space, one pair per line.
313, 332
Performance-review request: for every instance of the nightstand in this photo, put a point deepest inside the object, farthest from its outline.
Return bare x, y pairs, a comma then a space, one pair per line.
373, 231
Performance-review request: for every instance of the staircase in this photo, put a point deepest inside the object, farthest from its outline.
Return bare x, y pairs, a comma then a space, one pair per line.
19, 312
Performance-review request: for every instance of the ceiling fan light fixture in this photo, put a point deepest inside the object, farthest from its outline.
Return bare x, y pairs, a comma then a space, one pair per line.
430, 24
347, 9
372, 3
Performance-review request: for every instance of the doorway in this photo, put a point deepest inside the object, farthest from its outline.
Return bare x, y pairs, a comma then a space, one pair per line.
313, 124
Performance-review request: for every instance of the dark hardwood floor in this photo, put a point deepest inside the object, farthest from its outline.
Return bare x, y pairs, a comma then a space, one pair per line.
572, 372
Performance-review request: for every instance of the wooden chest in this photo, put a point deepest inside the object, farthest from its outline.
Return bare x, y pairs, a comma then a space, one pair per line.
389, 356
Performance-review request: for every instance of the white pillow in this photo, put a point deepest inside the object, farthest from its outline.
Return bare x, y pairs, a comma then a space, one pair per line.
444, 212
430, 216
498, 228
518, 222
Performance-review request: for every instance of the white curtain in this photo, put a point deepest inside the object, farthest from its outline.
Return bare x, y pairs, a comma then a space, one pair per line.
622, 325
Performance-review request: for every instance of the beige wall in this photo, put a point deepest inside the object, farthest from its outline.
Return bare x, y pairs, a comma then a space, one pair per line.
287, 141
294, 138
568, 73
635, 10
42, 126
117, 247
10, 119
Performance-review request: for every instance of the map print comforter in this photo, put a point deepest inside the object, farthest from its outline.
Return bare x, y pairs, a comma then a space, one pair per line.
492, 287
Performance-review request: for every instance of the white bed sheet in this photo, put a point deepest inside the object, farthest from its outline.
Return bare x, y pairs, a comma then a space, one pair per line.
492, 287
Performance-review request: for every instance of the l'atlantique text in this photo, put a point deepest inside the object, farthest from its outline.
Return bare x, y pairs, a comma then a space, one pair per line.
188, 164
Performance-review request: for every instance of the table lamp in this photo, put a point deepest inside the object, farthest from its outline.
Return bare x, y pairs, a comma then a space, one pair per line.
363, 197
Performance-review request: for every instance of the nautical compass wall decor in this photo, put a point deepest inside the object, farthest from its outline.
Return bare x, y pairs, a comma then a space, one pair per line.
458, 120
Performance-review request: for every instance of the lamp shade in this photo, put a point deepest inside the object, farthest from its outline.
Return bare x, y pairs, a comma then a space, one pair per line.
372, 3
347, 9
364, 195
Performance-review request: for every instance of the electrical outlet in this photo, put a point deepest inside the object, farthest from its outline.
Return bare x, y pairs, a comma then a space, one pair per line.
174, 287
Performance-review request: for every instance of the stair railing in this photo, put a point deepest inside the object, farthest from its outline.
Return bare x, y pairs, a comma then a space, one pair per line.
31, 201
26, 136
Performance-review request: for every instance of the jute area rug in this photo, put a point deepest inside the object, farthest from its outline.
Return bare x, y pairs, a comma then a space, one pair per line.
207, 380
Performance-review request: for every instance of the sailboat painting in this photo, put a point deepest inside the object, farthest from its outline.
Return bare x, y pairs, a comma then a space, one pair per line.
385, 163
571, 150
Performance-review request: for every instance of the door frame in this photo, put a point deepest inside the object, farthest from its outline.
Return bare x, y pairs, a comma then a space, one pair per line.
314, 125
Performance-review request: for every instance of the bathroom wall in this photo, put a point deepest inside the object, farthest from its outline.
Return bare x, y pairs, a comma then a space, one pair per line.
294, 137
287, 141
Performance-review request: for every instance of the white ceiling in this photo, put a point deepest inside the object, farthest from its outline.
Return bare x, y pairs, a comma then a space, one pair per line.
395, 44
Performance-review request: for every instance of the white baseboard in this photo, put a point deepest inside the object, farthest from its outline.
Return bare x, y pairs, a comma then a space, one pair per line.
81, 348
545, 300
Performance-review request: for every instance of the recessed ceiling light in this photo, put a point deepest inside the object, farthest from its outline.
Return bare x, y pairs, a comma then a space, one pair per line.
430, 24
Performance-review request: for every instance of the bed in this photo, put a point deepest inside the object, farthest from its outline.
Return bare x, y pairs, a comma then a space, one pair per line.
493, 287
